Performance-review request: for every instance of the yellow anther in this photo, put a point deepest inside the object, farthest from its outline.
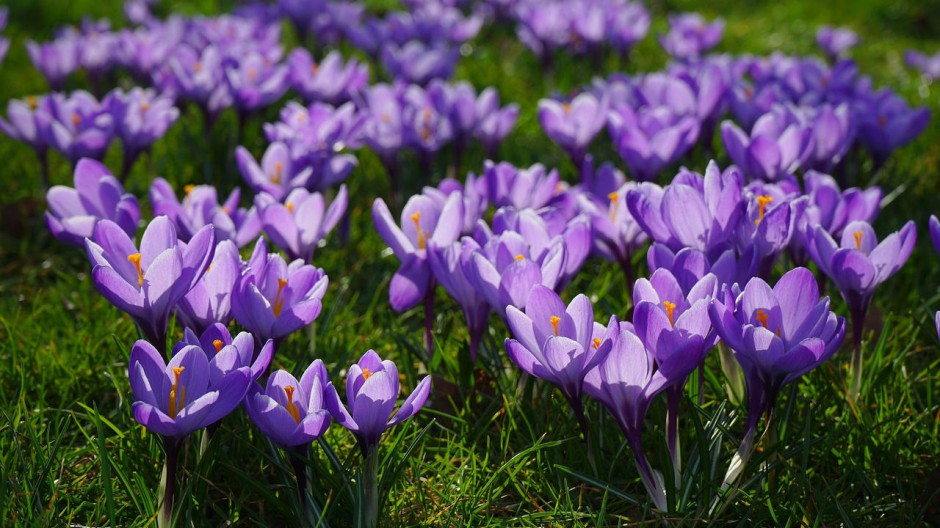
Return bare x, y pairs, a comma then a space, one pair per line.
858, 240
188, 188
252, 74
144, 106
291, 406
278, 303
76, 119
135, 259
314, 69
218, 345
278, 170
422, 241
596, 342
613, 197
289, 207
555, 320
366, 373
671, 312
762, 202
197, 67
519, 257
566, 107
177, 399
31, 102
761, 317
882, 120
386, 118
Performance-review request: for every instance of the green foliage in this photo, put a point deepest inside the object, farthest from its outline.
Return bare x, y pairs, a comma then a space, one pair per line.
493, 448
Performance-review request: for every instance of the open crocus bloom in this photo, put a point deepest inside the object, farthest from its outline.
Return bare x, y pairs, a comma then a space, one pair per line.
210, 299
176, 399
149, 281
302, 221
291, 412
226, 354
372, 388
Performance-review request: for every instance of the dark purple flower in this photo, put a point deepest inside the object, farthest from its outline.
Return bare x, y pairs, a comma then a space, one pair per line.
445, 264
141, 117
74, 212
201, 207
651, 139
226, 354
254, 81
423, 219
329, 80
690, 36
289, 412
885, 123
176, 399
833, 209
418, 63
299, 224
530, 188
147, 283
778, 145
78, 126
934, 226
833, 134
835, 41
275, 175
209, 302
493, 123
273, 298
372, 387
572, 125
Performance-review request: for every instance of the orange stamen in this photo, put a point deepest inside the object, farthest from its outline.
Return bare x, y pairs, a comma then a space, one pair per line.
175, 405
291, 406
761, 317
597, 342
858, 240
366, 373
76, 119
671, 312
422, 242
518, 257
278, 169
135, 259
144, 106
31, 102
289, 207
613, 197
278, 304
188, 188
218, 345
566, 107
762, 202
555, 320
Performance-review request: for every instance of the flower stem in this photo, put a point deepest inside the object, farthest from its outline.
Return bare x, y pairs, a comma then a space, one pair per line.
369, 509
673, 398
429, 320
168, 481
858, 319
300, 472
654, 490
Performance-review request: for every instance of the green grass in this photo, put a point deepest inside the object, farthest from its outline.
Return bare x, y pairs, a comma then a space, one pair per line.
492, 448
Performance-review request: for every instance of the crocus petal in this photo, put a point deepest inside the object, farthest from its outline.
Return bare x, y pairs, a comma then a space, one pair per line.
413, 403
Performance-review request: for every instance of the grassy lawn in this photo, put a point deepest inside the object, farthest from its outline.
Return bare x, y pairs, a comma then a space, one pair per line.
493, 447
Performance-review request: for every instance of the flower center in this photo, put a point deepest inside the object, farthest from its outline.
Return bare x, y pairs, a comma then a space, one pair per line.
314, 69
366, 374
555, 320
177, 399
762, 202
278, 303
858, 240
252, 74
144, 106
278, 169
518, 257
291, 406
289, 207
671, 312
135, 259
197, 67
218, 345
188, 189
761, 317
31, 102
76, 119
613, 204
882, 120
421, 240
596, 342
566, 107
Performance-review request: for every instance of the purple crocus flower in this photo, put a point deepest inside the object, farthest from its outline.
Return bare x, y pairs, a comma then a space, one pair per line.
372, 386
835, 41
201, 207
273, 298
418, 63
858, 265
625, 385
56, 60
777, 146
627, 24
147, 283
22, 125
77, 125
934, 227
209, 302
690, 36
773, 219
289, 412
176, 399
833, 209
275, 175
226, 354
74, 212
198, 76
329, 81
445, 264
885, 123
493, 123
556, 343
572, 125
833, 134
777, 335
299, 224
530, 188
928, 65
616, 234
4, 42
423, 219
651, 139
254, 82
141, 117
384, 131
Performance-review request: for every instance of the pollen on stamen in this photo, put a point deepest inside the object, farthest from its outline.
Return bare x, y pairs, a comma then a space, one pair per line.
422, 241
761, 317
518, 257
762, 202
188, 188
566, 107
366, 373
671, 312
134, 259
289, 207
596, 342
76, 119
555, 320
858, 239
31, 102
613, 197
278, 303
278, 169
291, 406
217, 344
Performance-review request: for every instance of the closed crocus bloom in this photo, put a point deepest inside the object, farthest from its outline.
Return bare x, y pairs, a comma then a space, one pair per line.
833, 209
777, 334
778, 145
273, 298
74, 212
773, 218
445, 264
176, 399
616, 234
226, 354
141, 117
209, 302
22, 125
627, 24
254, 82
886, 122
372, 388
275, 175
201, 207
428, 127
650, 139
695, 212
56, 60
147, 283
690, 36
556, 343
384, 131
934, 226
572, 125
835, 41
423, 219
77, 125
833, 134
289, 412
199, 77
419, 63
299, 224
329, 80
493, 123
